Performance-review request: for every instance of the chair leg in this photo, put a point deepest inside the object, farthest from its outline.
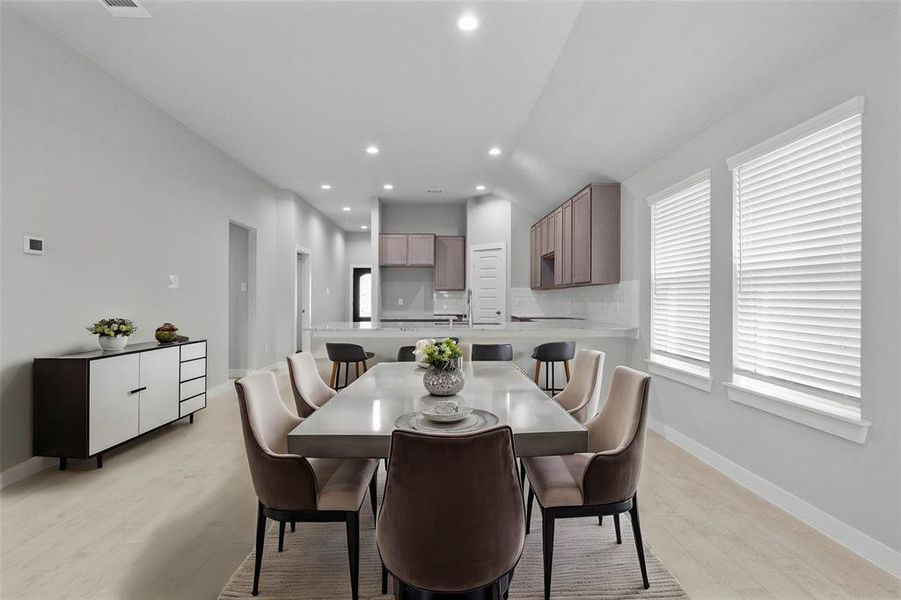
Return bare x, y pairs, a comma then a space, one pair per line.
293, 526
338, 377
600, 520
636, 530
373, 491
333, 379
353, 551
529, 503
384, 580
258, 559
553, 369
365, 368
281, 536
619, 537
522, 473
566, 370
537, 377
357, 370
547, 534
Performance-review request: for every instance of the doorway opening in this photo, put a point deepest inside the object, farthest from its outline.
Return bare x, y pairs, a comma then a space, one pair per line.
361, 308
302, 299
241, 289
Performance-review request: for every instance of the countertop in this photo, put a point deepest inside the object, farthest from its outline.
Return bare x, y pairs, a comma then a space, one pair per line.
542, 328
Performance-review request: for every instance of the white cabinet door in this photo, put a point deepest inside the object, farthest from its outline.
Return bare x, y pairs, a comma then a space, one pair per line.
159, 378
113, 406
489, 283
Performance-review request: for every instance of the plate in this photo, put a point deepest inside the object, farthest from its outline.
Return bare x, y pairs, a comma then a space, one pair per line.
477, 420
461, 414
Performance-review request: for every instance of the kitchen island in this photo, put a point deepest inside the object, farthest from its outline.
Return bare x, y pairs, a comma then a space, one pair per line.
384, 338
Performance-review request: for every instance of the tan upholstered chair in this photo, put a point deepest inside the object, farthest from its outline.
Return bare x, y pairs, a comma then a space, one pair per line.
602, 481
448, 522
310, 392
582, 393
292, 488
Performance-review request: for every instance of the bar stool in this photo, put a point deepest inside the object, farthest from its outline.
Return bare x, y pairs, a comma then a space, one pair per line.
345, 354
549, 354
405, 354
492, 352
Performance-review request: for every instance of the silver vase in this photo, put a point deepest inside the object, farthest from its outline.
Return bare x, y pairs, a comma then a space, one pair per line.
443, 382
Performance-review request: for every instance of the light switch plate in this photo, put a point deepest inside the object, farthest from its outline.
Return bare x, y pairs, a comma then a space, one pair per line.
172, 282
400, 301
243, 286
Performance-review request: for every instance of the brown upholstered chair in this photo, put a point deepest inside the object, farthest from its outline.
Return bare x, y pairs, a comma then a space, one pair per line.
310, 392
448, 522
293, 488
602, 481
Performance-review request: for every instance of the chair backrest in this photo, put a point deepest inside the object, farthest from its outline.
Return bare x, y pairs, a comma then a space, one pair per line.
554, 351
310, 392
492, 352
265, 421
339, 352
452, 515
405, 354
583, 392
616, 437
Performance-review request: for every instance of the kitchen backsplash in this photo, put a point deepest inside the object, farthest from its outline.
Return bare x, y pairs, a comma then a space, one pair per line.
443, 303
607, 303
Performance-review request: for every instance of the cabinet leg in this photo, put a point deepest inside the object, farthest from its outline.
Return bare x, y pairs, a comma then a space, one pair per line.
63, 463
100, 461
191, 418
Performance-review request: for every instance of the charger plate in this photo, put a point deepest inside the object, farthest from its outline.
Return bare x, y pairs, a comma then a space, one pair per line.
477, 420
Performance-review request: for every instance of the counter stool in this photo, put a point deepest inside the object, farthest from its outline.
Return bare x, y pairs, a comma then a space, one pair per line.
549, 354
405, 354
345, 354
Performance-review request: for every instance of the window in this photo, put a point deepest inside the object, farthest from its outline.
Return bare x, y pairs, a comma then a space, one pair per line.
797, 259
362, 299
680, 276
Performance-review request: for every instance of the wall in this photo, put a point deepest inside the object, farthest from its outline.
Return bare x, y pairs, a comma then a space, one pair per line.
415, 286
126, 195
859, 485
358, 249
238, 307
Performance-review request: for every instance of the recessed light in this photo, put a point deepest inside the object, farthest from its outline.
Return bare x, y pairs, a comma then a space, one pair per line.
480, 188
494, 151
325, 186
346, 208
372, 150
468, 23
364, 226
387, 186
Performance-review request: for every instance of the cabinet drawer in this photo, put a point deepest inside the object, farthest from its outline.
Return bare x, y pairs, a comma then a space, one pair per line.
192, 388
188, 406
193, 351
193, 369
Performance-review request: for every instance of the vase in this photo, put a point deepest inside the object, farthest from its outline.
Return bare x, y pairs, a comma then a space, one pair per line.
112, 343
443, 382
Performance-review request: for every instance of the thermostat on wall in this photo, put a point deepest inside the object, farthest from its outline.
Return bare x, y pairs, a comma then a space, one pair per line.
34, 245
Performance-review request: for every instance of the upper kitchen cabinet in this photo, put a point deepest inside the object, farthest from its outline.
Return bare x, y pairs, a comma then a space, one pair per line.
450, 263
407, 250
578, 243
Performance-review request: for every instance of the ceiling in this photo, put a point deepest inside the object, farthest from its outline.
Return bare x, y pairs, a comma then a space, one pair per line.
571, 93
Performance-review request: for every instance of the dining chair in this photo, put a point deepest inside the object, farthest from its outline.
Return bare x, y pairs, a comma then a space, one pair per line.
448, 522
405, 354
582, 394
548, 355
291, 488
345, 354
602, 481
492, 352
310, 392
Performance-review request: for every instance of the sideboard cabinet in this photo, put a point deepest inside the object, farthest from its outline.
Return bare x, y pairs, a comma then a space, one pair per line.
85, 404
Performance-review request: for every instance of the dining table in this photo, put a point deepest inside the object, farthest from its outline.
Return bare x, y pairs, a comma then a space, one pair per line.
358, 421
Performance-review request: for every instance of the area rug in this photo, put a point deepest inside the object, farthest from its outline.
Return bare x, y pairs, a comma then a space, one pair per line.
588, 563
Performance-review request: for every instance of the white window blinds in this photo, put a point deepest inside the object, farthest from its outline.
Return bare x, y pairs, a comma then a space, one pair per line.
680, 270
797, 249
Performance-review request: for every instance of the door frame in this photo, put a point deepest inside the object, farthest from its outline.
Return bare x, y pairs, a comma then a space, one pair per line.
307, 275
252, 356
502, 246
350, 286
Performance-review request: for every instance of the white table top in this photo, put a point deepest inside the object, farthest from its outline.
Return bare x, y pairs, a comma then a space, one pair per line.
359, 420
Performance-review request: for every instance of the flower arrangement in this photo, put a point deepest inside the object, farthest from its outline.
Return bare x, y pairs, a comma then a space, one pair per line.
442, 355
113, 327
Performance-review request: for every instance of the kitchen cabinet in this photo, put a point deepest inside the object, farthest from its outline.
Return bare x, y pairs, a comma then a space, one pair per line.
579, 241
450, 263
421, 250
85, 404
393, 250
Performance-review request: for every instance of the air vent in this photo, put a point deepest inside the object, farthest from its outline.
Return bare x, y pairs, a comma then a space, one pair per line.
435, 191
125, 8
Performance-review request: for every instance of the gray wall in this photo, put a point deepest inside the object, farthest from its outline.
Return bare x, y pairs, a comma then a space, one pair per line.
238, 305
857, 484
359, 251
126, 195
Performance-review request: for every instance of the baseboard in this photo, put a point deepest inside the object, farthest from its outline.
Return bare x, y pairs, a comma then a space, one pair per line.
26, 468
856, 541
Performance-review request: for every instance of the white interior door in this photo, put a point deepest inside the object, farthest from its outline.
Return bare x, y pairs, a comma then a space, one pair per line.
113, 410
489, 283
159, 378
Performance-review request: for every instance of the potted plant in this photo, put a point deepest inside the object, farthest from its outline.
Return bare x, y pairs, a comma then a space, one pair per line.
444, 376
113, 333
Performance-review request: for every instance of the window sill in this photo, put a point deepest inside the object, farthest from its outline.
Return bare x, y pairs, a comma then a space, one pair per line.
819, 413
690, 375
